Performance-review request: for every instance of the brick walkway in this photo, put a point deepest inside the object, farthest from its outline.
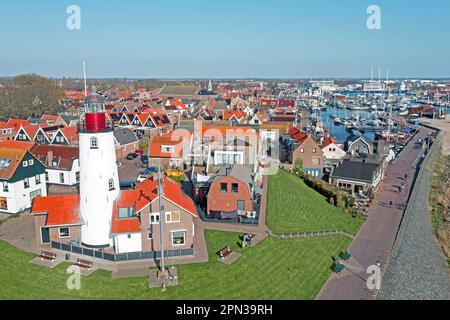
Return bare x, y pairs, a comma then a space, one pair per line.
377, 236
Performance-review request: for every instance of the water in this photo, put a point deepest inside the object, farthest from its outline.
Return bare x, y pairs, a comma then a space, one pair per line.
339, 132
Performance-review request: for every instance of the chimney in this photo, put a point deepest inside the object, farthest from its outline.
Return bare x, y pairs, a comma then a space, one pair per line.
49, 158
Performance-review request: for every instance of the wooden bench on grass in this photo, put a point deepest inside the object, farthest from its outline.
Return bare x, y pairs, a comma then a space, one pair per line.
84, 263
48, 255
224, 252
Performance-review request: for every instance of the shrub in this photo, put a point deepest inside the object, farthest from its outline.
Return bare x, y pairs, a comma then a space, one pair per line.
298, 170
350, 202
333, 194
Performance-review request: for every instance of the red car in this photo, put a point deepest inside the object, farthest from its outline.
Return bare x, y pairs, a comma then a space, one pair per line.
139, 152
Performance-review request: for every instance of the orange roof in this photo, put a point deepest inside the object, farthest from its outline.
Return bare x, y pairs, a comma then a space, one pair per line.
128, 198
227, 114
15, 144
143, 117
143, 195
155, 150
4, 125
71, 134
172, 192
17, 122
327, 141
47, 117
15, 157
298, 135
32, 130
61, 210
179, 104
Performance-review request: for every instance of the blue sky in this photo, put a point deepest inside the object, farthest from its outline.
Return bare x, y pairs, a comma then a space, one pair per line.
225, 38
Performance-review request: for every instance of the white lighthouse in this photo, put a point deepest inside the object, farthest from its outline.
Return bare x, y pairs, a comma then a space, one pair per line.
99, 181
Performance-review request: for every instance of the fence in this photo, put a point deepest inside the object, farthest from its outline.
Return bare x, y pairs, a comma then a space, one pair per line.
120, 256
310, 234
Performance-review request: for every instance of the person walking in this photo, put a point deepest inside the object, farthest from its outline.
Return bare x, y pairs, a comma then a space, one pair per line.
391, 203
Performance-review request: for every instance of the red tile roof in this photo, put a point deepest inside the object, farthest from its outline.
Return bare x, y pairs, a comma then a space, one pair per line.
227, 114
15, 156
298, 135
15, 144
71, 134
61, 210
48, 117
172, 192
128, 198
142, 196
63, 155
157, 142
327, 141
18, 122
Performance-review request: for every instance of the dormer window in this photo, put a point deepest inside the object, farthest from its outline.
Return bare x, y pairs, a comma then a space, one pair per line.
94, 143
167, 149
126, 213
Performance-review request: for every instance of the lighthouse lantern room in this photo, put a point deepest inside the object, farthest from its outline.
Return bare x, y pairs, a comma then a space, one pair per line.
99, 181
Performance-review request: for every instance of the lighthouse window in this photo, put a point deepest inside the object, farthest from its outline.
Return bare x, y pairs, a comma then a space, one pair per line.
94, 143
111, 184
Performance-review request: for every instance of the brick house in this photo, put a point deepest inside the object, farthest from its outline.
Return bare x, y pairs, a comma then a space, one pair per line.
231, 191
300, 145
125, 141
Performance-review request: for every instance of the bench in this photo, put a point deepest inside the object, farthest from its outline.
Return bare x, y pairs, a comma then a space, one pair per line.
48, 255
84, 263
225, 252
345, 255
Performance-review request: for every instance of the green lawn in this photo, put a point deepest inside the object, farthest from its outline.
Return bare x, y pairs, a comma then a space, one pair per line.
292, 206
261, 272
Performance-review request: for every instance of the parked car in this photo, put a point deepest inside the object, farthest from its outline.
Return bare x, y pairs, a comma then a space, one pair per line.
144, 161
132, 156
150, 170
127, 185
139, 152
141, 177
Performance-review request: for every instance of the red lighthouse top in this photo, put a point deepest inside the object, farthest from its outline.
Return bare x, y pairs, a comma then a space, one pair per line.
95, 119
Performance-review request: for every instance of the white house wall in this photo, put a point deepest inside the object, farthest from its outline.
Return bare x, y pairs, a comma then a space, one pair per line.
124, 244
18, 198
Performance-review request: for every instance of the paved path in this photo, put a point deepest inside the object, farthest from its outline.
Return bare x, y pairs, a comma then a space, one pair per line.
417, 268
377, 236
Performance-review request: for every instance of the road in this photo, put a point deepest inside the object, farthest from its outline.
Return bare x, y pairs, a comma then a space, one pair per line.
129, 170
377, 236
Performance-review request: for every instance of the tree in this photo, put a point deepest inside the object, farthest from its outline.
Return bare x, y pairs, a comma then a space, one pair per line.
299, 168
30, 95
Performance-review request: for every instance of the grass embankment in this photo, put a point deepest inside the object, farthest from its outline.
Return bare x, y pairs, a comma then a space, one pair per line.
294, 207
439, 202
